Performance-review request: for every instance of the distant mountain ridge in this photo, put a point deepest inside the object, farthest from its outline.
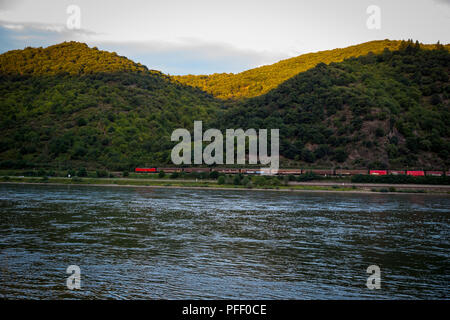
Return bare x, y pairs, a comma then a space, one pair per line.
257, 81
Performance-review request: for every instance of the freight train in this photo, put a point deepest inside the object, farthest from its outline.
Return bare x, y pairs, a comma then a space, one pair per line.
319, 172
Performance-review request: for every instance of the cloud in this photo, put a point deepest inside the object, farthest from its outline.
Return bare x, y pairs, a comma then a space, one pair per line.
447, 2
6, 5
18, 35
191, 56
30, 27
181, 56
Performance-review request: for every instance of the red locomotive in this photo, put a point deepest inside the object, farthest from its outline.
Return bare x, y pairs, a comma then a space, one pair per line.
378, 172
152, 170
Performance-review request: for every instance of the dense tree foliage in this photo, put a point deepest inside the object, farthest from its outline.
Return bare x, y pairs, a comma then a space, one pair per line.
71, 106
254, 82
72, 58
385, 110
98, 110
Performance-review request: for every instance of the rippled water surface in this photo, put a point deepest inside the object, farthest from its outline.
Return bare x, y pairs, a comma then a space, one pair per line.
142, 243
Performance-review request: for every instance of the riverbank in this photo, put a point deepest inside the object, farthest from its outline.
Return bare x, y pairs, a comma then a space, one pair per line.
190, 184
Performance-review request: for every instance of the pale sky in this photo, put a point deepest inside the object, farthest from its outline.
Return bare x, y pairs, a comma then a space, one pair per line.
207, 36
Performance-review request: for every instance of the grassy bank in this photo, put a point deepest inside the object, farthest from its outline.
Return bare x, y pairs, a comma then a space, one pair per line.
209, 184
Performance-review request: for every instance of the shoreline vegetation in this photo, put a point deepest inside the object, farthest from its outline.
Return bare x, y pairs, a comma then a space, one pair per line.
327, 186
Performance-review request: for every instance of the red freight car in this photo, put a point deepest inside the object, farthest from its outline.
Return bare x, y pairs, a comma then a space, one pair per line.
397, 172
345, 172
319, 172
170, 170
289, 171
197, 169
415, 173
227, 170
378, 172
145, 170
434, 173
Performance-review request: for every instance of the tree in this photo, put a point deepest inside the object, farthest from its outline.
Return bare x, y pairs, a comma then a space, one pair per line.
214, 175
82, 172
340, 155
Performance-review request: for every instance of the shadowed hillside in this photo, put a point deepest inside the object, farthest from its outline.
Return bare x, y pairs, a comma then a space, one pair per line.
386, 110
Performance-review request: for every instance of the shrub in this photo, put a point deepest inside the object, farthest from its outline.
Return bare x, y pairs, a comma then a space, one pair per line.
101, 174
214, 175
221, 180
340, 154
228, 179
308, 176
204, 175
379, 132
174, 175
81, 122
259, 180
82, 172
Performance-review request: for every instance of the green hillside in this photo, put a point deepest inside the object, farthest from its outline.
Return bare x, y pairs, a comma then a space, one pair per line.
72, 58
71, 105
257, 81
386, 110
68, 106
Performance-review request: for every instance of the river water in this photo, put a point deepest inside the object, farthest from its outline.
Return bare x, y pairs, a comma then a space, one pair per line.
143, 243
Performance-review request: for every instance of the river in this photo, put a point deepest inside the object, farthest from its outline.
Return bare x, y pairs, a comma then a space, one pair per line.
148, 243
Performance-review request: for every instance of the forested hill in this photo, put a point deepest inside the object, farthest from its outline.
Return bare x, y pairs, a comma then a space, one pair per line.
71, 105
257, 81
386, 110
72, 58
